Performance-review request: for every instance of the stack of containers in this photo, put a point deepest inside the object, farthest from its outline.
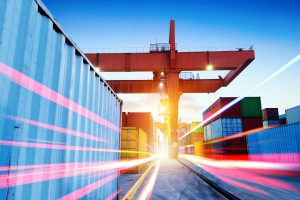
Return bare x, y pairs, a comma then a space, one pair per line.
144, 121
251, 119
134, 140
243, 116
270, 117
293, 115
188, 142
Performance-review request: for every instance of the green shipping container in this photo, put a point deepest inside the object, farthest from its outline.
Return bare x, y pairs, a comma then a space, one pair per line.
199, 130
251, 107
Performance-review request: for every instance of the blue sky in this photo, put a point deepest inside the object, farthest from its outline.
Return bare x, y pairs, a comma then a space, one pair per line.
272, 27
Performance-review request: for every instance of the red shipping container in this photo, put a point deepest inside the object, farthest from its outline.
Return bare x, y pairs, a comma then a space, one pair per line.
234, 111
124, 119
144, 121
236, 149
207, 150
251, 123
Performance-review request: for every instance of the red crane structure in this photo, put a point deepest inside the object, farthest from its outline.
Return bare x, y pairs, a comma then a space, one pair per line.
165, 58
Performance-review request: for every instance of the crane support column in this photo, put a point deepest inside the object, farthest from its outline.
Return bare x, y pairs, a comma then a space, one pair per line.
174, 95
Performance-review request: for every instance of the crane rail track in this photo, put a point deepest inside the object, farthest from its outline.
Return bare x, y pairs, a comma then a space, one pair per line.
216, 187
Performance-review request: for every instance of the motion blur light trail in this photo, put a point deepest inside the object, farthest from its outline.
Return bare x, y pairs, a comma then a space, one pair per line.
279, 71
131, 192
148, 188
58, 129
113, 195
49, 172
89, 188
64, 147
243, 173
47, 93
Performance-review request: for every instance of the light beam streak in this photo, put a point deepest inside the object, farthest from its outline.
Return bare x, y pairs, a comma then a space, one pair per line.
227, 106
47, 93
89, 188
58, 129
148, 188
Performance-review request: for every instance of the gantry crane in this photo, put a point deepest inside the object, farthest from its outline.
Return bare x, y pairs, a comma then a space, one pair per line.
165, 58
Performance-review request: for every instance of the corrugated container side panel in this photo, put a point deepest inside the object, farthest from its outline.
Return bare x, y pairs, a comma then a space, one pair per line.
216, 129
207, 132
29, 45
207, 150
231, 126
237, 149
251, 123
293, 115
217, 150
251, 107
279, 144
144, 121
232, 112
124, 119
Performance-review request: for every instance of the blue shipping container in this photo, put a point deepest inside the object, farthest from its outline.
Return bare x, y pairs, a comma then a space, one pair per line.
280, 144
56, 112
231, 126
207, 132
216, 129
293, 115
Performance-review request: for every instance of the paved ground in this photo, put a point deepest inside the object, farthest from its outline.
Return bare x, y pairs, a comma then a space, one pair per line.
174, 182
274, 193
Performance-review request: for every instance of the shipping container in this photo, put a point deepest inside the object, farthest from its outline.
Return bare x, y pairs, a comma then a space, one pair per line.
181, 150
282, 119
207, 150
198, 130
217, 150
235, 149
207, 132
249, 124
231, 126
144, 121
187, 140
216, 129
205, 113
199, 148
134, 139
270, 114
279, 144
234, 111
57, 113
293, 115
124, 119
270, 123
251, 107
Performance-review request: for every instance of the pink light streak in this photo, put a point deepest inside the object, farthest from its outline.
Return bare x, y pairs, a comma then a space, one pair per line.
58, 129
89, 188
113, 195
47, 93
232, 172
55, 171
148, 188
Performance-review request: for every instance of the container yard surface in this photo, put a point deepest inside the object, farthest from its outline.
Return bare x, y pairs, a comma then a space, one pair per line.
260, 185
174, 181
